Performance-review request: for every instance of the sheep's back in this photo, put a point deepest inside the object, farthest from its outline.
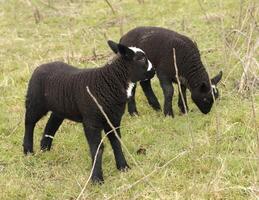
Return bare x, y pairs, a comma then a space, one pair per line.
63, 90
158, 44
58, 84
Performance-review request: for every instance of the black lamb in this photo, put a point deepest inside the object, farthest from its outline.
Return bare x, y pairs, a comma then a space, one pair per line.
61, 89
158, 44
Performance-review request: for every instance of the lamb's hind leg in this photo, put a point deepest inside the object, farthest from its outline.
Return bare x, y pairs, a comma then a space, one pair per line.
32, 116
51, 128
151, 97
132, 109
121, 162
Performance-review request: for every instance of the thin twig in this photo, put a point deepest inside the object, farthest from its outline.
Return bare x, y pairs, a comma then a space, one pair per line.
183, 100
247, 65
110, 5
255, 121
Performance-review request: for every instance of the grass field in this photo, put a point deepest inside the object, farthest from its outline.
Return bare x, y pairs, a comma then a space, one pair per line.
214, 156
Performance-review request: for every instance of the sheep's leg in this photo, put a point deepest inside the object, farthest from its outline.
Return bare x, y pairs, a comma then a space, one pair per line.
51, 128
121, 162
180, 101
168, 92
93, 136
151, 97
132, 109
31, 118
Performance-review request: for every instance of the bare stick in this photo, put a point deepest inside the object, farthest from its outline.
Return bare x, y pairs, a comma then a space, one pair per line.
203, 10
254, 117
110, 5
183, 100
116, 134
249, 54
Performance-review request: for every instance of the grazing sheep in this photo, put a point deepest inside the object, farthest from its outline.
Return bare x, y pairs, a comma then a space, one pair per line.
158, 44
61, 89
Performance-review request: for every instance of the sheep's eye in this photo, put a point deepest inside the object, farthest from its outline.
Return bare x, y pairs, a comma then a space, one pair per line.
205, 99
142, 59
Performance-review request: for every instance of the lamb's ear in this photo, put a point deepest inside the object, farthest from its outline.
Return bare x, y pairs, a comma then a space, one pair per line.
113, 46
204, 88
216, 79
126, 52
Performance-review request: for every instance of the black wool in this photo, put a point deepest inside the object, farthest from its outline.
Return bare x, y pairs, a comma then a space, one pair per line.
61, 89
158, 44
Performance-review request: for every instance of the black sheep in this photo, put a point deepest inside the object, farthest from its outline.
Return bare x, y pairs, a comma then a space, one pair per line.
158, 44
61, 89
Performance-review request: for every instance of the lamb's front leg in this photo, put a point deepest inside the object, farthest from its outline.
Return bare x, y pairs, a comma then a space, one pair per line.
121, 162
168, 92
180, 100
151, 97
93, 136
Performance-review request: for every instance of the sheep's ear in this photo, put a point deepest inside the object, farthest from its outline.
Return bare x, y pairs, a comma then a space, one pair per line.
195, 43
216, 79
113, 46
120, 48
204, 88
126, 52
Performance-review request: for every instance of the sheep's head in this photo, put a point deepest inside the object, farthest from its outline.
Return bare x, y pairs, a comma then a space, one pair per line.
136, 60
203, 94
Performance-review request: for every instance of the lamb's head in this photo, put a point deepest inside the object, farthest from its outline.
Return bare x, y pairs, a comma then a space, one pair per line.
202, 95
140, 68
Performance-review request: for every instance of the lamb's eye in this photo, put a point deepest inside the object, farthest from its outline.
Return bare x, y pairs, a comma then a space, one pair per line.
142, 59
205, 99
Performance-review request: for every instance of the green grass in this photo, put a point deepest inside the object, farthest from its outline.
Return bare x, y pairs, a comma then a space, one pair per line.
222, 158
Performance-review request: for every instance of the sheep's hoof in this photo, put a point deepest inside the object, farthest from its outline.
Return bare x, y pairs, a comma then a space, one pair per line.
134, 114
155, 106
45, 145
183, 112
44, 149
124, 168
169, 114
158, 109
97, 180
27, 153
27, 150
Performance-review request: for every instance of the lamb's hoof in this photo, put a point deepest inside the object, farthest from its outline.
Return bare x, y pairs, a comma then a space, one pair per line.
169, 114
124, 168
44, 149
156, 106
158, 109
27, 150
45, 145
134, 114
182, 110
98, 180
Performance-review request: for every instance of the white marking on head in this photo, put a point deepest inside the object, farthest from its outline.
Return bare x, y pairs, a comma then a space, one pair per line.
136, 49
129, 89
150, 66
